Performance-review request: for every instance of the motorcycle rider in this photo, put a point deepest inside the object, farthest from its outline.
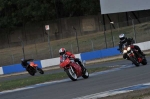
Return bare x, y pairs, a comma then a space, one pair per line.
63, 54
24, 63
129, 41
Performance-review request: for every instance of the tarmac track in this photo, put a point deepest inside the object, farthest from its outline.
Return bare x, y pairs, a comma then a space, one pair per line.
96, 83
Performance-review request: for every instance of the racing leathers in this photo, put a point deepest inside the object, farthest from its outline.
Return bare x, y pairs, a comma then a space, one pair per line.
25, 63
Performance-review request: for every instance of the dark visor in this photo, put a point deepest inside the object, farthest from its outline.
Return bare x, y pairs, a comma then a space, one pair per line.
122, 38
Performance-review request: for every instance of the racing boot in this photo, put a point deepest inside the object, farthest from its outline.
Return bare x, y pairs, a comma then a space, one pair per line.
81, 65
142, 54
83, 68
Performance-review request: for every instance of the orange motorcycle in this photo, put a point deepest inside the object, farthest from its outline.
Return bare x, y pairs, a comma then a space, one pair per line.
33, 68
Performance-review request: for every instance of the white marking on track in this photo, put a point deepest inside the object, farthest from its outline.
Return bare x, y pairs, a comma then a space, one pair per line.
103, 94
115, 91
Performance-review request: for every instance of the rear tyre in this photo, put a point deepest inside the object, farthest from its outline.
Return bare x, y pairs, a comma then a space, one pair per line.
71, 74
134, 62
40, 71
144, 62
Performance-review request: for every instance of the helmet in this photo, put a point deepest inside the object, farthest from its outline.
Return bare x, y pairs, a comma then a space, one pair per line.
22, 59
62, 51
122, 37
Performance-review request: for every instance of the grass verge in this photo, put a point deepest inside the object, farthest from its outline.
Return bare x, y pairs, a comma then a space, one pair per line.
8, 85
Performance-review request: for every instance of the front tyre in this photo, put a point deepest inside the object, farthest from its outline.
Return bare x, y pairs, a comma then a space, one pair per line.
31, 71
71, 74
134, 61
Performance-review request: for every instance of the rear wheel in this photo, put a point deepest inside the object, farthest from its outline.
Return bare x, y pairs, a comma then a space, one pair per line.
40, 71
136, 63
71, 74
144, 61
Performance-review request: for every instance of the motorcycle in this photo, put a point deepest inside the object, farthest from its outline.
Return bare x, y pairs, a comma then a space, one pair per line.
73, 70
33, 68
134, 55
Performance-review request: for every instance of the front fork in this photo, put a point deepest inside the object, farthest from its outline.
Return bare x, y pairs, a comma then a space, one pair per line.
131, 54
70, 69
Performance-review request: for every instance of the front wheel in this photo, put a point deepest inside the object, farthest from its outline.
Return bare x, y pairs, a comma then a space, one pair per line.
71, 74
134, 61
31, 71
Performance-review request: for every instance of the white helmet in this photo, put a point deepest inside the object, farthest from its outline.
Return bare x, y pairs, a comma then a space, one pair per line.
122, 37
22, 59
62, 51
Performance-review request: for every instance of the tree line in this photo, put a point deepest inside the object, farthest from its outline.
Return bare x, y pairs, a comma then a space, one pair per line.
16, 13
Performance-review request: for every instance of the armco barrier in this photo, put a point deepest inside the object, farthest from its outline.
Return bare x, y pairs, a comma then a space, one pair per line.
50, 62
144, 45
100, 54
13, 68
83, 56
53, 61
16, 68
1, 71
42, 64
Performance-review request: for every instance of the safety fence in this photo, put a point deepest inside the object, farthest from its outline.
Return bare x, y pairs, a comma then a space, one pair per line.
102, 37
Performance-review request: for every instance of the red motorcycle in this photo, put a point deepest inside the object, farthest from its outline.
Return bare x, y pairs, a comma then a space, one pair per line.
134, 55
73, 69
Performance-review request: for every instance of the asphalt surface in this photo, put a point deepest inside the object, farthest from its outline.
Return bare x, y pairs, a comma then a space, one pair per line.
68, 89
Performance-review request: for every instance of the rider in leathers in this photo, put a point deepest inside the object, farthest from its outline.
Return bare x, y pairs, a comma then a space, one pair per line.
129, 41
63, 54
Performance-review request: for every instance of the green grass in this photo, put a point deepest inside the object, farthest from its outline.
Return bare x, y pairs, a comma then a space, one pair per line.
7, 85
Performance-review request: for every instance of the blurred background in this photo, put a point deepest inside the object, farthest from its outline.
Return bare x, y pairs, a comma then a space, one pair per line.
77, 25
